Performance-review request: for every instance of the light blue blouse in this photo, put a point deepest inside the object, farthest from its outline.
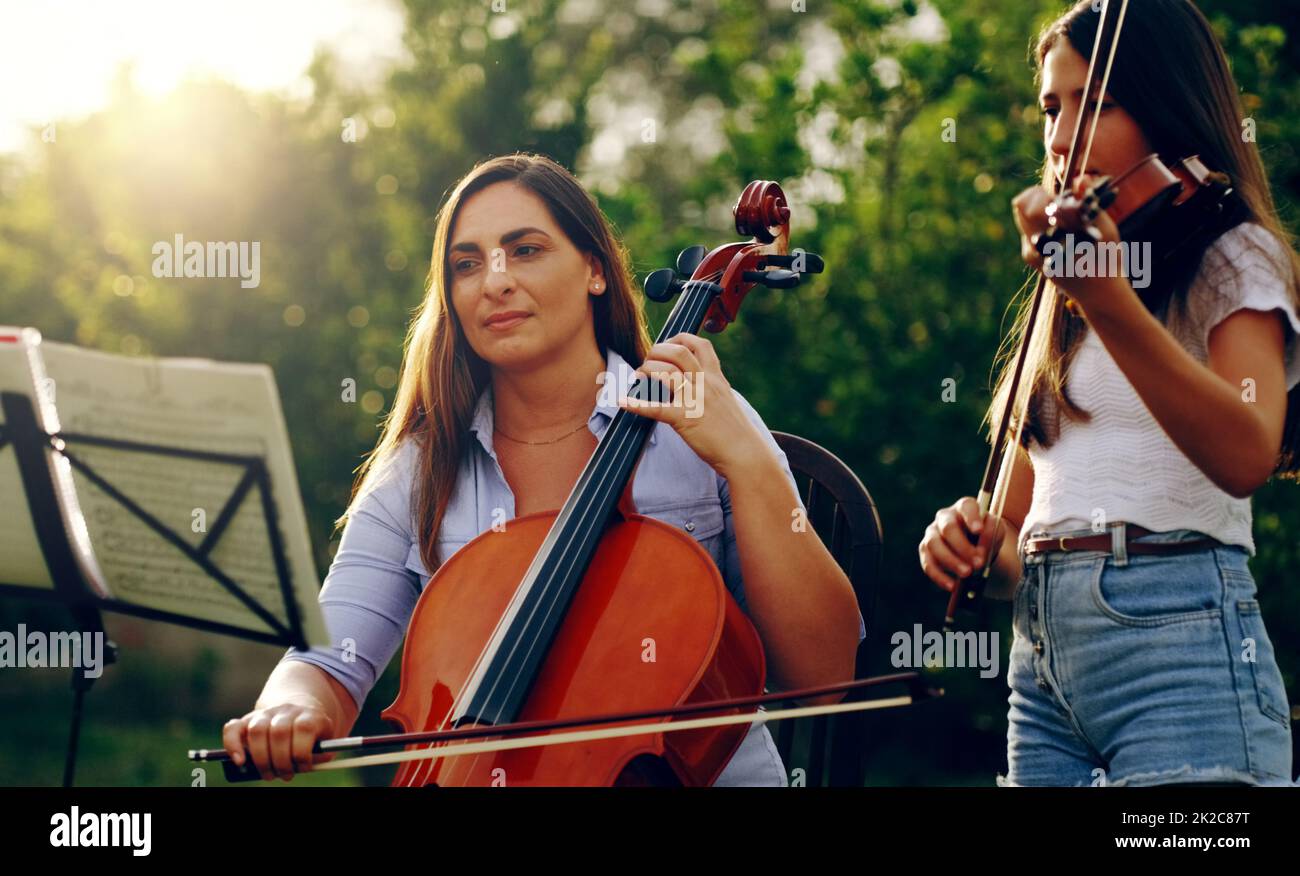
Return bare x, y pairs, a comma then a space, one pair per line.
377, 575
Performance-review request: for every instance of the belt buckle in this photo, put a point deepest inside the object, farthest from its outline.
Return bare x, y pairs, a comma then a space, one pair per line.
1060, 544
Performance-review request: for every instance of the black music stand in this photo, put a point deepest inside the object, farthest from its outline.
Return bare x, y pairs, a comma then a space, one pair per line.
84, 600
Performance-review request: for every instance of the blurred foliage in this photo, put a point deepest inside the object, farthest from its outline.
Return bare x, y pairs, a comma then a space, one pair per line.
666, 112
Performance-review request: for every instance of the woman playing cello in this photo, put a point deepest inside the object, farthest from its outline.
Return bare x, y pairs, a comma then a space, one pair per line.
529, 317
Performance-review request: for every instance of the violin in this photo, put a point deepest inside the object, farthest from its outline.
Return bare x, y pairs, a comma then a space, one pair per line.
1174, 208
542, 627
1168, 207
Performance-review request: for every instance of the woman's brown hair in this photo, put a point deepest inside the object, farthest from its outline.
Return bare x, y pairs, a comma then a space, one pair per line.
1172, 77
441, 375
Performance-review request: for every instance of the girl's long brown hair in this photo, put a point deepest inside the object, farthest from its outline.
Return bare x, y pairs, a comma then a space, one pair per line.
442, 376
1172, 77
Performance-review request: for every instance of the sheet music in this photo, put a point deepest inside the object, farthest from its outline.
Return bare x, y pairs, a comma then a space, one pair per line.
199, 405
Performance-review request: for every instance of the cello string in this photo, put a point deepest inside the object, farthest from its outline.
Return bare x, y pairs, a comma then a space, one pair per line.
622, 441
460, 694
547, 597
618, 444
458, 700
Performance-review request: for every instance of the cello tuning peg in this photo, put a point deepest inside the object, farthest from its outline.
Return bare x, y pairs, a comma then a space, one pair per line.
662, 285
813, 263
775, 279
689, 259
799, 261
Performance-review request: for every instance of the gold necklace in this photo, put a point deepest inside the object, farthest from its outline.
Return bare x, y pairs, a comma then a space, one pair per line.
552, 441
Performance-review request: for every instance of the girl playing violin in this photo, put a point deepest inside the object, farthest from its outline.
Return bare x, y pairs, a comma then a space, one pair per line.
529, 318
1139, 654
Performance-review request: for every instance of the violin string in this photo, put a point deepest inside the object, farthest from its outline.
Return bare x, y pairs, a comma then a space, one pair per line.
623, 440
621, 443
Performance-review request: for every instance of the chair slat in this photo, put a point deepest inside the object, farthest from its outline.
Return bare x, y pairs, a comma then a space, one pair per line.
852, 533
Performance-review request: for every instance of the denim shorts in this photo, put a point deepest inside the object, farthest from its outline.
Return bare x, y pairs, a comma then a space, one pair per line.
1143, 670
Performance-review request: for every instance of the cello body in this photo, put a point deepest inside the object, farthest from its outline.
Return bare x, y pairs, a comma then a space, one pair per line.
652, 625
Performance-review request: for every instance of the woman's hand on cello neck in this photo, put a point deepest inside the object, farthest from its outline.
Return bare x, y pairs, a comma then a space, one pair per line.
703, 410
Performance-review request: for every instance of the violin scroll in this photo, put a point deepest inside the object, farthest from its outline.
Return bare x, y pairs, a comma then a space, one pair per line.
1070, 213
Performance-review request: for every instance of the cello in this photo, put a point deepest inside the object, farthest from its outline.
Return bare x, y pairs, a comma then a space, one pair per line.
547, 622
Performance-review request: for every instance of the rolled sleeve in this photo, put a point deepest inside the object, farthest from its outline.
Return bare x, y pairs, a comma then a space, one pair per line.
1248, 268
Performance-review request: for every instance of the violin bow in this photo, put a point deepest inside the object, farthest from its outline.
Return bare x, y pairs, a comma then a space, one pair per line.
967, 592
519, 735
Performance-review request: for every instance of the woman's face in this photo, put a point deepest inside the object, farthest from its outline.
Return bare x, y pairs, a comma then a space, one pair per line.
507, 256
1119, 144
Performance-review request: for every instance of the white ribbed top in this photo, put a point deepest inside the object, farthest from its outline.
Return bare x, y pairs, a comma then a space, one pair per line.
1122, 466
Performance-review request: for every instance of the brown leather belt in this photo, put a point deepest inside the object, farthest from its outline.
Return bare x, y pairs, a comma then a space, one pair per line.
1101, 542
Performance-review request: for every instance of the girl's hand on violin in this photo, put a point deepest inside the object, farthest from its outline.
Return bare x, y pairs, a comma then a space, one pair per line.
278, 740
1030, 210
702, 409
956, 543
